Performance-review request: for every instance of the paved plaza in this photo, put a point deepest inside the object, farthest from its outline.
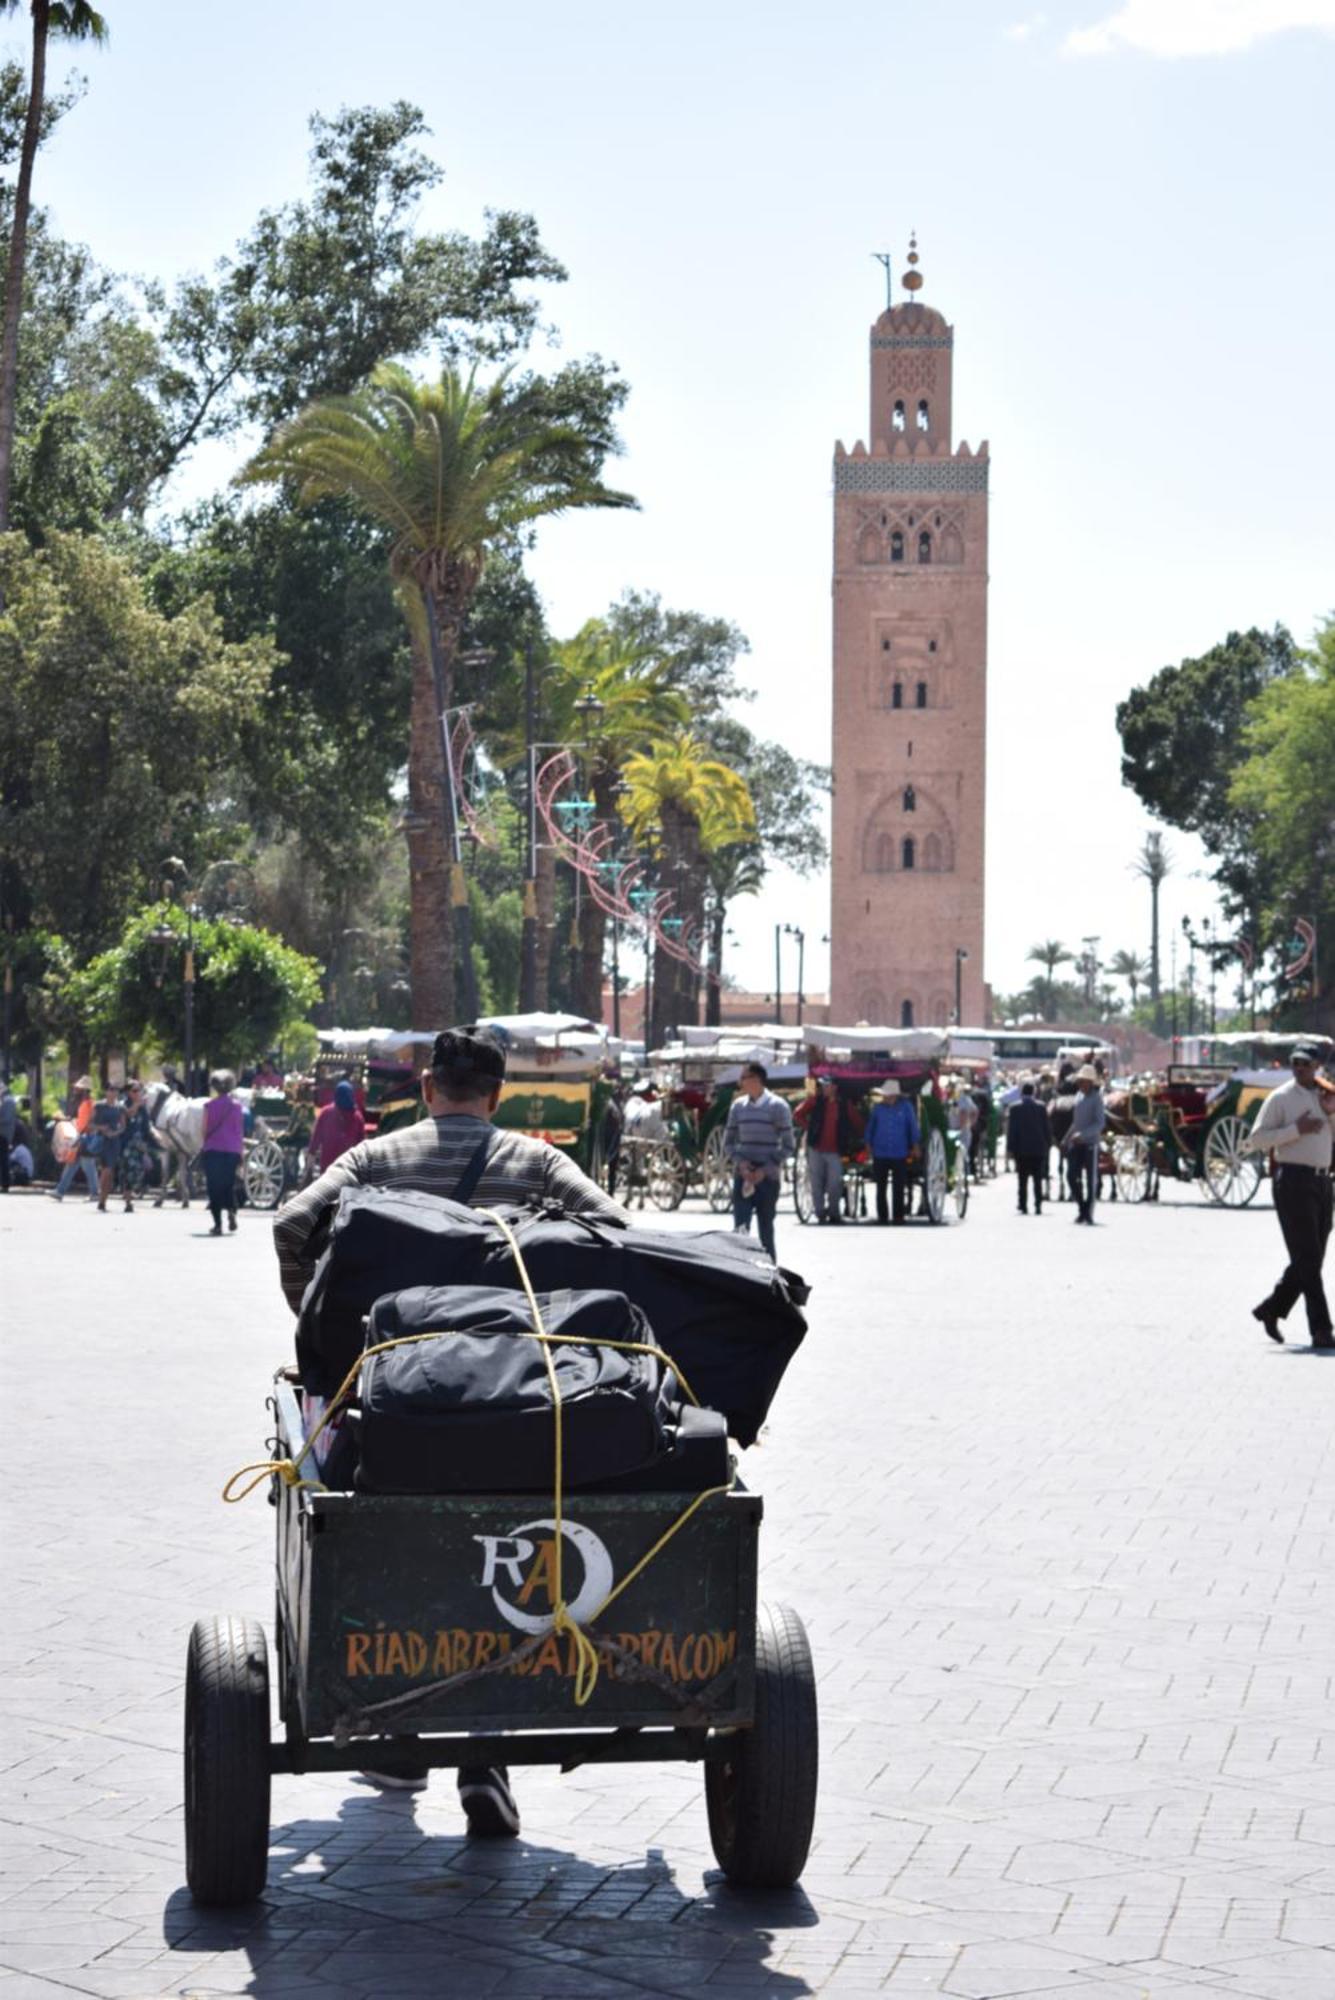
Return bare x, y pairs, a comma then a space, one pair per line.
1059, 1519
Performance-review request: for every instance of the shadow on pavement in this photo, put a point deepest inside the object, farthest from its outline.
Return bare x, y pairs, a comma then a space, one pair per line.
367, 1904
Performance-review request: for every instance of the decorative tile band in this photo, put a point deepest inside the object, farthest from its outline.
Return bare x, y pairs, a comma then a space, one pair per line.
888, 475
913, 340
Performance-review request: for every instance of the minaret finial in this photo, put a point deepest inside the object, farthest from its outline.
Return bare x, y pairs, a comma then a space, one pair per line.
912, 279
885, 258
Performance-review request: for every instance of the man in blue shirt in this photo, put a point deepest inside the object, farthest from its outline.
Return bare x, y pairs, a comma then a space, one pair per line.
893, 1140
1083, 1140
757, 1138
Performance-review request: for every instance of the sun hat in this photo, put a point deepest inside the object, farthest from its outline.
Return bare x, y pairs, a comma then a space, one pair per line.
890, 1088
83, 1083
1087, 1074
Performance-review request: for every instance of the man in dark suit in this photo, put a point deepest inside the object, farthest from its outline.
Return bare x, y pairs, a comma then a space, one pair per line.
1028, 1142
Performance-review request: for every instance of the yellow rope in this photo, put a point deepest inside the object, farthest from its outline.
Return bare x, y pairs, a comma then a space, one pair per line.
288, 1470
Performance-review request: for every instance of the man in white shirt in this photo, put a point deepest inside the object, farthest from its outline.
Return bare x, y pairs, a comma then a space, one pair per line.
1295, 1124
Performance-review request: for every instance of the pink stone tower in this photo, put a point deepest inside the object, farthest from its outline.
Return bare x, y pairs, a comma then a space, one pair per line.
910, 692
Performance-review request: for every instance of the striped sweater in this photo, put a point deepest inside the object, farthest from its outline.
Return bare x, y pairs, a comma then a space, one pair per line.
759, 1131
431, 1157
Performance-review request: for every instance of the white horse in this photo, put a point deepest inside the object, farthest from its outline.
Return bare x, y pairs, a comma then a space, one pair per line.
178, 1127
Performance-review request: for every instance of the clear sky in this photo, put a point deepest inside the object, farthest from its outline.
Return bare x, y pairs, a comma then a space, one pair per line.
1125, 211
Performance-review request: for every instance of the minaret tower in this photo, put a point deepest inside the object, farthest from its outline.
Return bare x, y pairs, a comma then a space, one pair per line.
910, 691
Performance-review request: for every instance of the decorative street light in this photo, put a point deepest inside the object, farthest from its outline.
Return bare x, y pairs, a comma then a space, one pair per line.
795, 930
960, 955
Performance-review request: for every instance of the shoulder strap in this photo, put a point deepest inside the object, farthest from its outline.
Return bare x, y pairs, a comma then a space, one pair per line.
473, 1172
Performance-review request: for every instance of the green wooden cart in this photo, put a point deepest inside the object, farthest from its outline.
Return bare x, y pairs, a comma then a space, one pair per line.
415, 1627
859, 1059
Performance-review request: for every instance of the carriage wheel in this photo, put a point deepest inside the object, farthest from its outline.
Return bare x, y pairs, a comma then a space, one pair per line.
762, 1797
960, 1189
804, 1207
936, 1176
226, 1761
717, 1173
1228, 1175
667, 1176
264, 1174
1132, 1167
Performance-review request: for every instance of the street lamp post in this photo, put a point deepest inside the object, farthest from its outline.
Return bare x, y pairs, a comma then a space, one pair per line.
795, 930
778, 975
528, 951
960, 955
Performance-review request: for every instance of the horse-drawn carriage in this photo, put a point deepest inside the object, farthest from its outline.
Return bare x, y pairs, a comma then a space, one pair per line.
697, 1079
1190, 1125
859, 1060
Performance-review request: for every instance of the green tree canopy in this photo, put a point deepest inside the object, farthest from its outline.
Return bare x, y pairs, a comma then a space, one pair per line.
118, 727
250, 988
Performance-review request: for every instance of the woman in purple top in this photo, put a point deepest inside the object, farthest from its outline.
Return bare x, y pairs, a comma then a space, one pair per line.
222, 1148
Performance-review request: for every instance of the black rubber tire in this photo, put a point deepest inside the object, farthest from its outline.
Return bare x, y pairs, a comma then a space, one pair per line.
226, 1761
762, 1799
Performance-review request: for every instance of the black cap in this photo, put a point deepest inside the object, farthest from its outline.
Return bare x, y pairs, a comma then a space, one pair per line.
1305, 1053
470, 1051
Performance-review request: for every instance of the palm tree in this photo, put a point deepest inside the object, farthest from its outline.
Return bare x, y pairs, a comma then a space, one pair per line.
684, 805
1154, 862
608, 699
75, 21
1049, 955
1128, 966
449, 468
735, 870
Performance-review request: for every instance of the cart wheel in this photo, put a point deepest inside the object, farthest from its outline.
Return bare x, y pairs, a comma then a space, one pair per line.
667, 1175
263, 1174
762, 1798
1228, 1175
936, 1175
1131, 1159
718, 1173
226, 1761
803, 1206
960, 1190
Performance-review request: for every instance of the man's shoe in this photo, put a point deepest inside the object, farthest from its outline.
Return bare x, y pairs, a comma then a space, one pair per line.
488, 1802
231, 1220
396, 1781
1323, 1342
1270, 1321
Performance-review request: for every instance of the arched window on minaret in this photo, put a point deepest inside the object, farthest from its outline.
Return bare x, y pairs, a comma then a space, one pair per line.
898, 416
897, 546
885, 854
921, 694
908, 853
925, 546
906, 1014
924, 420
897, 695
931, 854
910, 802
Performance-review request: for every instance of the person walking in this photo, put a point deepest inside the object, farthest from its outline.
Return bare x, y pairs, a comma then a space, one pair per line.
757, 1138
1028, 1143
9, 1125
1295, 1125
224, 1142
81, 1111
893, 1140
833, 1133
1083, 1140
338, 1128
108, 1124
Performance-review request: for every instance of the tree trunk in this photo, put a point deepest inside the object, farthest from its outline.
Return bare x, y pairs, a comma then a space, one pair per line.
430, 925
714, 984
588, 994
18, 249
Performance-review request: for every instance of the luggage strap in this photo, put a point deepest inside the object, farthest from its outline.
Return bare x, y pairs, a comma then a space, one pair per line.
586, 1653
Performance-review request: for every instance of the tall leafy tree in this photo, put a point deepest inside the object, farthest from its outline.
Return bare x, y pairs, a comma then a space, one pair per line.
118, 727
1283, 782
448, 469
70, 20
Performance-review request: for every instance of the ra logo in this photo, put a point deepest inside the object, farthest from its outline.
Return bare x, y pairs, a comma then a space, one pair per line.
519, 1570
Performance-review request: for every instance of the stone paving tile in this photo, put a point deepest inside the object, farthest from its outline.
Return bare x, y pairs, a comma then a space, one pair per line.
1066, 1571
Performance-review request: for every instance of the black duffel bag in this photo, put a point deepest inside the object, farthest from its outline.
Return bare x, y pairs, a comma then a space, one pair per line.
726, 1315
469, 1410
